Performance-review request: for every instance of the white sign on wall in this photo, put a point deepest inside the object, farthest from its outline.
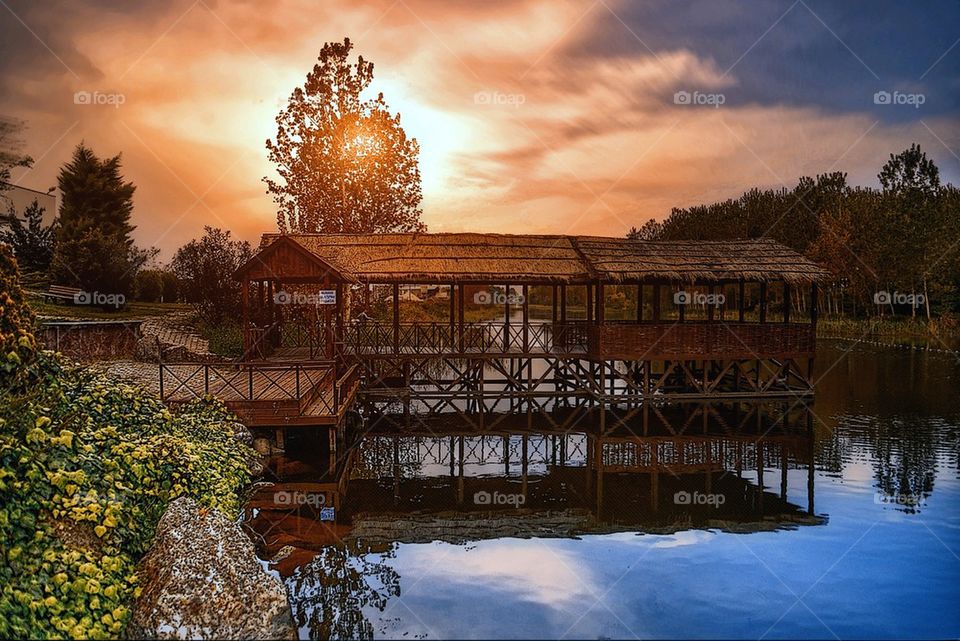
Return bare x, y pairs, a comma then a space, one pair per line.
327, 297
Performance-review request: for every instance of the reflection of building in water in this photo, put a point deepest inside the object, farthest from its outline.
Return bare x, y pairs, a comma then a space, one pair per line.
692, 465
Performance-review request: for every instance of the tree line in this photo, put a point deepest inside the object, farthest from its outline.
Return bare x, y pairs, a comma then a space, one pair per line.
891, 250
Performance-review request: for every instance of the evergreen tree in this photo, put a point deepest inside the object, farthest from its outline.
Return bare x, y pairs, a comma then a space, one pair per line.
32, 242
94, 250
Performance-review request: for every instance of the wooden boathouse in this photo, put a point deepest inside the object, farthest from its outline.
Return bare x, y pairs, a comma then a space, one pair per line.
475, 323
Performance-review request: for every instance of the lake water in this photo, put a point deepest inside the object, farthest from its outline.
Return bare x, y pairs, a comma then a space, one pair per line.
855, 532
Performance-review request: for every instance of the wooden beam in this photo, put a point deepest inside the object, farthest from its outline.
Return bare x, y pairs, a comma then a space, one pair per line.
813, 304
526, 319
453, 316
600, 304
763, 302
741, 292
341, 313
640, 302
589, 303
460, 317
245, 297
786, 302
656, 303
563, 303
396, 318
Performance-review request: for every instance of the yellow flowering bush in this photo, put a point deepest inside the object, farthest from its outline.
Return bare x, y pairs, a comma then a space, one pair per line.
87, 466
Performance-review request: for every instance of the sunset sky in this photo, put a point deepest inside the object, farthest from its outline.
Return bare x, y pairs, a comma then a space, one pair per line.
532, 116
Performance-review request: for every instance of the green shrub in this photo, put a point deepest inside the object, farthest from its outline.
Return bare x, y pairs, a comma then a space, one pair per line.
148, 285
87, 467
226, 339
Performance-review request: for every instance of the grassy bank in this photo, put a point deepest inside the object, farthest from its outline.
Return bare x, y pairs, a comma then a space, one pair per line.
132, 310
946, 326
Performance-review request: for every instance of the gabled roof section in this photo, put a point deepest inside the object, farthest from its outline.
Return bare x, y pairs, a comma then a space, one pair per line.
286, 259
507, 258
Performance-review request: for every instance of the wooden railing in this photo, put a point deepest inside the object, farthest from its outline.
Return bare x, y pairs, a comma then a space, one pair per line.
612, 340
231, 381
372, 338
695, 340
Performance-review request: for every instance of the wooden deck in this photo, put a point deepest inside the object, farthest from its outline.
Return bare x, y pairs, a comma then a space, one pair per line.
266, 394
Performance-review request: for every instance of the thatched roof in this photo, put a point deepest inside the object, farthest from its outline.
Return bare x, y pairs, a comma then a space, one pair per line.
756, 259
505, 258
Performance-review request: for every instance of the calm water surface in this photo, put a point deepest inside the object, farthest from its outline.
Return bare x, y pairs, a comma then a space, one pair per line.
412, 554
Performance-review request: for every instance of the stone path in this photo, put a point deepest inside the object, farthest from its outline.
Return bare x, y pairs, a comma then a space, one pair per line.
177, 339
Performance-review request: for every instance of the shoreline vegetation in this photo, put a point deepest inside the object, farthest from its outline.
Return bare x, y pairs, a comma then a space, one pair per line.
87, 467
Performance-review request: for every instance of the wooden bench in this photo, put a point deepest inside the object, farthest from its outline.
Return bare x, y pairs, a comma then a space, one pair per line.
62, 293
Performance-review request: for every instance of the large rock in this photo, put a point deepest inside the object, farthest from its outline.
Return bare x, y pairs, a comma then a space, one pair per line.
201, 579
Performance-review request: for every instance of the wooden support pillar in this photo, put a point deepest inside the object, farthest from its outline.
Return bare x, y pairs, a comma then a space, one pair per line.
526, 319
589, 303
453, 317
811, 462
506, 318
341, 313
783, 473
763, 302
396, 318
786, 302
710, 305
563, 303
656, 303
813, 305
245, 297
555, 310
741, 292
640, 302
460, 337
601, 312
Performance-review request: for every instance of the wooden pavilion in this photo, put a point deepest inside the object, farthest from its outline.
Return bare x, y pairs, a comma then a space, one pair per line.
586, 319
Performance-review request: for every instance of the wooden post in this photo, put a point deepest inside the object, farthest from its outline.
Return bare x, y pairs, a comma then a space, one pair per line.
526, 319
589, 303
453, 317
563, 304
740, 299
656, 303
601, 312
710, 306
396, 318
640, 302
786, 302
506, 318
245, 289
460, 317
813, 305
763, 302
553, 301
341, 317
